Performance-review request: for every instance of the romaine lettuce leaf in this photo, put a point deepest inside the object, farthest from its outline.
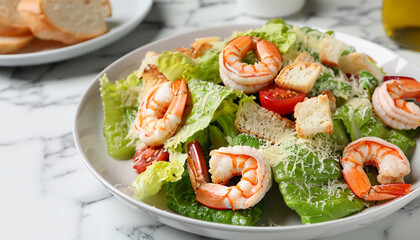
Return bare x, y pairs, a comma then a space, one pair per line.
339, 134
174, 64
355, 114
340, 90
359, 120
276, 31
398, 138
247, 140
207, 69
217, 138
180, 197
206, 98
320, 202
117, 101
303, 163
149, 182
367, 82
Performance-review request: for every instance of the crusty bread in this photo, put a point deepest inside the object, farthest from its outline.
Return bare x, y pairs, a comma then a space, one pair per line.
355, 62
199, 47
313, 116
253, 119
304, 57
151, 77
149, 58
331, 50
299, 76
331, 99
11, 23
67, 21
11, 44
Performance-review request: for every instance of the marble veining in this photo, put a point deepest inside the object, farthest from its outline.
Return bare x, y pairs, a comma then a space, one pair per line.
48, 193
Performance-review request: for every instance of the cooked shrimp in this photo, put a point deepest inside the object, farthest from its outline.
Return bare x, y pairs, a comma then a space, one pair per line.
388, 103
388, 158
161, 111
247, 77
225, 163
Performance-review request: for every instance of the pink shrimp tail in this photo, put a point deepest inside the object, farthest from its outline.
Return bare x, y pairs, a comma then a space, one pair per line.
388, 191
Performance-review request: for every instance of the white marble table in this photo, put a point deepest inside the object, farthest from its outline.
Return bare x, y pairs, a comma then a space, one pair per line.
46, 192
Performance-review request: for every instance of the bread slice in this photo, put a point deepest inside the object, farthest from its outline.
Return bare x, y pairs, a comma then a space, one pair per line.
355, 62
253, 119
299, 76
11, 23
304, 57
67, 21
313, 116
11, 44
331, 50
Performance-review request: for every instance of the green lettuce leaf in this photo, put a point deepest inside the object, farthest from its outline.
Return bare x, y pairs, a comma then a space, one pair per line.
207, 69
206, 97
117, 102
367, 82
359, 120
180, 198
149, 182
174, 64
320, 202
304, 163
340, 90
355, 114
217, 138
398, 138
247, 140
276, 31
348, 50
339, 134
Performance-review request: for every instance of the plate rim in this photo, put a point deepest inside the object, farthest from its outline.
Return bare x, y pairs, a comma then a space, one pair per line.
79, 49
374, 211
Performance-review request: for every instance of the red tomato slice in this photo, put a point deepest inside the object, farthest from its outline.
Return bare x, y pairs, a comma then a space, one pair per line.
145, 156
387, 78
280, 100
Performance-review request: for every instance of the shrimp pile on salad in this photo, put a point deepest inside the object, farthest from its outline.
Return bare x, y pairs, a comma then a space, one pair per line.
218, 124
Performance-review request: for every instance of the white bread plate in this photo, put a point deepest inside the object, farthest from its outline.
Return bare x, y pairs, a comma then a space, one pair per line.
117, 175
125, 17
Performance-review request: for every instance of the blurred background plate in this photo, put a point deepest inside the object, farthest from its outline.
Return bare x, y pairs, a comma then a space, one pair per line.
126, 15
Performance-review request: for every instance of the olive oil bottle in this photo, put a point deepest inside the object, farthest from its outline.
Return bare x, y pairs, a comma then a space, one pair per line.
401, 20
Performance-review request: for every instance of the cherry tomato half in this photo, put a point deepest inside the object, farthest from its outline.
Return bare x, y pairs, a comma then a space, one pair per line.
280, 100
145, 156
387, 78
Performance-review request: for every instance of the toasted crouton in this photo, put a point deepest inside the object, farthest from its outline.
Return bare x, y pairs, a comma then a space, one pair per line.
331, 50
199, 47
313, 116
151, 77
149, 58
299, 76
331, 99
304, 57
186, 51
253, 119
355, 62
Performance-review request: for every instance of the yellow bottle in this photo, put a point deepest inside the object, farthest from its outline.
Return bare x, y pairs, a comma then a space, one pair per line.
401, 19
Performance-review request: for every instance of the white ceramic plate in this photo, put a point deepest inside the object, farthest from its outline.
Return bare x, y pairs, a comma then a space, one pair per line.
118, 175
126, 16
